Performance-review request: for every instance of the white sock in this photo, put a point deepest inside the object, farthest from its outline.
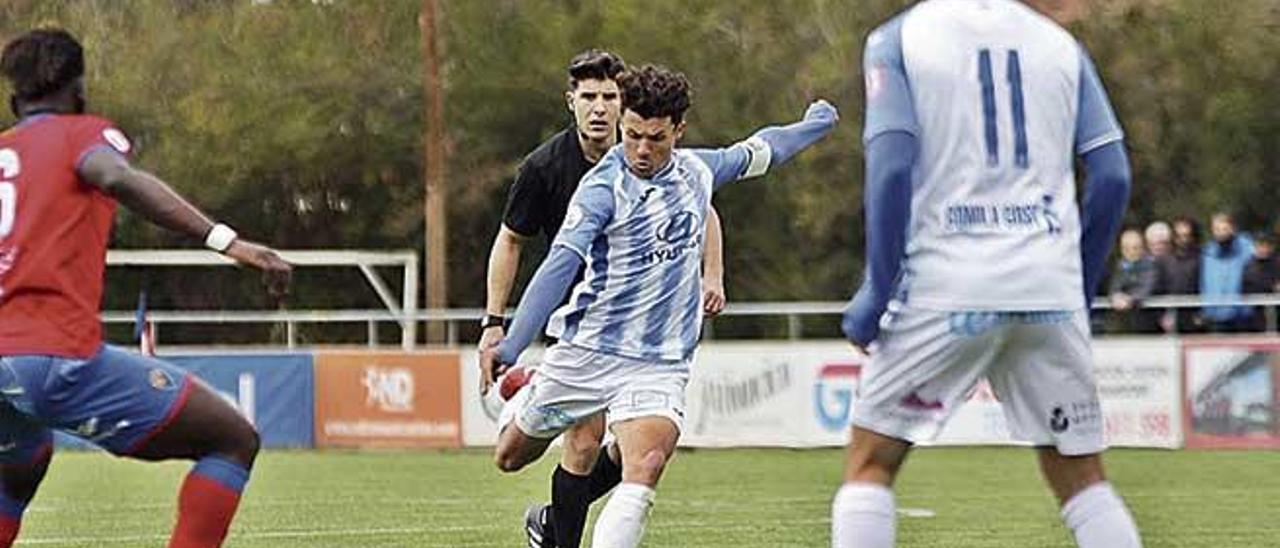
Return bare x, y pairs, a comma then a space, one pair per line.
862, 516
1099, 519
621, 523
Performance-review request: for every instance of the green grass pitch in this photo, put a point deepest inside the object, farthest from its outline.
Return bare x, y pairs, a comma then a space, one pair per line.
979, 497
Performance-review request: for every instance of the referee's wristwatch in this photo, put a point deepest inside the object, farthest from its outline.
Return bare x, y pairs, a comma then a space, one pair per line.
493, 320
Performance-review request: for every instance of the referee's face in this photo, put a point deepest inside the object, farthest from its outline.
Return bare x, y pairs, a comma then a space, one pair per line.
647, 142
596, 106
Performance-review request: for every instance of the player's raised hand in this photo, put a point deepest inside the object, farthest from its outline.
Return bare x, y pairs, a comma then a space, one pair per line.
822, 111
276, 272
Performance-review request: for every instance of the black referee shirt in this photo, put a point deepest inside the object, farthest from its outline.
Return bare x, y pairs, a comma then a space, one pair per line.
539, 198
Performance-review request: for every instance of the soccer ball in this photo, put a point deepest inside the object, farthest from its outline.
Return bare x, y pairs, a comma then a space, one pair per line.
513, 380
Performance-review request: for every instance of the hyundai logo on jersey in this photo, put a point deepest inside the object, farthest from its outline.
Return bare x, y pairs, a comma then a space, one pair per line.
678, 228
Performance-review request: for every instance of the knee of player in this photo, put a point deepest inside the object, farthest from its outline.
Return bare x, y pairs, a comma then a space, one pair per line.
582, 447
507, 461
252, 442
244, 445
650, 466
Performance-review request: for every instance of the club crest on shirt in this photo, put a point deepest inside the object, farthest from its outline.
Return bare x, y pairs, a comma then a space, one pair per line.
573, 217
160, 379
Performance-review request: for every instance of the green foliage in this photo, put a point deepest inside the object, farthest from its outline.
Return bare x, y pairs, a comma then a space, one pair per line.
300, 122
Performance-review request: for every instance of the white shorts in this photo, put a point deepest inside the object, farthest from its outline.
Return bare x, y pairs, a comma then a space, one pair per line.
574, 383
1039, 364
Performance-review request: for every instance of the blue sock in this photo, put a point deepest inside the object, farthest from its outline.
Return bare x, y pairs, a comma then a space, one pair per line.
227, 473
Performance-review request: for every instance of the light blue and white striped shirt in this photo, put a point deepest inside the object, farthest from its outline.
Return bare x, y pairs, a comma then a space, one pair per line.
641, 243
641, 240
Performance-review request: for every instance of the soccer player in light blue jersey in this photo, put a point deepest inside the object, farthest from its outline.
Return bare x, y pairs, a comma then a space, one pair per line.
626, 337
979, 263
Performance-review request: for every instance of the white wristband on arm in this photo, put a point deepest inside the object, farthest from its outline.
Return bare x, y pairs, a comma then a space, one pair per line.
761, 155
220, 237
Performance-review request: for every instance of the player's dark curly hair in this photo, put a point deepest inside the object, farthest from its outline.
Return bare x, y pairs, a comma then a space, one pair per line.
656, 92
42, 62
594, 64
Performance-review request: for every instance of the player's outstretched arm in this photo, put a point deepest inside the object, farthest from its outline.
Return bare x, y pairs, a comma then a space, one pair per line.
150, 197
770, 146
547, 289
1106, 195
887, 201
786, 141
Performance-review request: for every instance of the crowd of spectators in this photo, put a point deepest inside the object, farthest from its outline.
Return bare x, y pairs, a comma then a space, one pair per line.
1172, 259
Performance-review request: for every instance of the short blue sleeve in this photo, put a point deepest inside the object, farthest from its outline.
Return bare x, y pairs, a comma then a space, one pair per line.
727, 164
890, 106
590, 210
1096, 123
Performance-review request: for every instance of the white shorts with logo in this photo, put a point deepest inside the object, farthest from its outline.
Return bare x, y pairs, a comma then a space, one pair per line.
574, 383
1039, 364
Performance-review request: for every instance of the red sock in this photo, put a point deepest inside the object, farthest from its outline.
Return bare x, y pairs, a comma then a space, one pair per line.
205, 509
8, 531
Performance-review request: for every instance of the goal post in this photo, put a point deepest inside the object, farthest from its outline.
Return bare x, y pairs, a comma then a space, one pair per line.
404, 310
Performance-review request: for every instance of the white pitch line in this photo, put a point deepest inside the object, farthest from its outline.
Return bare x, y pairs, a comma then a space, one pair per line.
389, 531
265, 535
917, 513
80, 507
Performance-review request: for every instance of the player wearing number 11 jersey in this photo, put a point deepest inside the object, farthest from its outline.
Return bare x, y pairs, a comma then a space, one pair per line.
61, 174
979, 264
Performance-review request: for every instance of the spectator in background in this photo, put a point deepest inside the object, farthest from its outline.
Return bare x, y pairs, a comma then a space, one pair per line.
1159, 240
1262, 275
1222, 275
1132, 281
1159, 237
1179, 274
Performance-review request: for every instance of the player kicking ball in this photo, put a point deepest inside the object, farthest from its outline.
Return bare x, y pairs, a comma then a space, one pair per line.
625, 338
978, 260
61, 173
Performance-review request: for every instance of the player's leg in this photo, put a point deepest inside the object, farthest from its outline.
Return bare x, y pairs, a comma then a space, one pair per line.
646, 413
144, 408
555, 400
1045, 384
1091, 508
587, 471
646, 445
27, 450
26, 444
924, 365
559, 523
863, 513
224, 445
20, 481
515, 449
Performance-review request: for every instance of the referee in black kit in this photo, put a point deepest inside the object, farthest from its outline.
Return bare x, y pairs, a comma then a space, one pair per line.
537, 202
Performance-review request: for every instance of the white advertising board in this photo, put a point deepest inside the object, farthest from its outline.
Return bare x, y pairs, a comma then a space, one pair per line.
801, 394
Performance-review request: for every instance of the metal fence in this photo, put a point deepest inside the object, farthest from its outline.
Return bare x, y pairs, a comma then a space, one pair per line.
460, 320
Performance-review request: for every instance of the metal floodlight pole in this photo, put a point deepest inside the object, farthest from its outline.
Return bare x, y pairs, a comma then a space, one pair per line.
435, 157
